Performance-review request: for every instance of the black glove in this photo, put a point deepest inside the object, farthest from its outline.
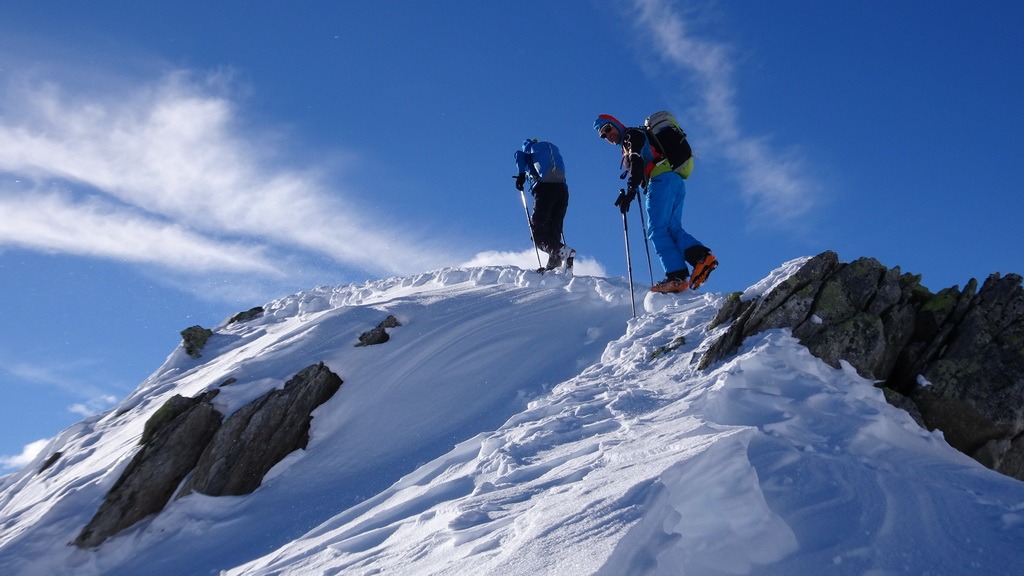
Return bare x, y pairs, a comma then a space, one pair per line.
520, 180
624, 199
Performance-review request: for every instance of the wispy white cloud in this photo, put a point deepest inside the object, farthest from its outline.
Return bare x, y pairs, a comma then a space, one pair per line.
55, 222
77, 380
28, 454
773, 179
65, 376
93, 405
166, 175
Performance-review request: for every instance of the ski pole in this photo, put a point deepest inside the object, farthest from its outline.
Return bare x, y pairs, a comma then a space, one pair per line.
629, 260
529, 223
647, 246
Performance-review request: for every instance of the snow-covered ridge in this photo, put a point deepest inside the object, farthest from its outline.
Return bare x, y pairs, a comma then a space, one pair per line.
524, 424
446, 280
771, 462
460, 329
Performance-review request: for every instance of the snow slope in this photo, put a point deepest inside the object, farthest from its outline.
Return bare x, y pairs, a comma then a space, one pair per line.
518, 424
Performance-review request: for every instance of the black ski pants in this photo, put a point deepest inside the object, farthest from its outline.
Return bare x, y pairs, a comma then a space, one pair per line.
550, 201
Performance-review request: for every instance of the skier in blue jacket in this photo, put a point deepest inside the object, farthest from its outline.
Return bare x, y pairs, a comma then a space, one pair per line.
541, 164
664, 203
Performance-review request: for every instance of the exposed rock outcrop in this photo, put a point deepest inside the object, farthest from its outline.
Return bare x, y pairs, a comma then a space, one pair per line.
172, 441
250, 314
260, 434
378, 335
194, 338
954, 360
49, 462
186, 435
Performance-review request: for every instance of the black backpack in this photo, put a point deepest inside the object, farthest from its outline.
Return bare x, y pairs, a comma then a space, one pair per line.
669, 140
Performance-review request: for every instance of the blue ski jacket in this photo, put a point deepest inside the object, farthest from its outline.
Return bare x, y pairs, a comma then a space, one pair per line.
540, 161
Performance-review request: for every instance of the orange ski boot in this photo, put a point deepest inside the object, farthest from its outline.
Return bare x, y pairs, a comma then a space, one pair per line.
670, 286
702, 269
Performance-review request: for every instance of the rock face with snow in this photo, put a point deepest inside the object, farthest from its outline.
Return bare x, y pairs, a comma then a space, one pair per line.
194, 338
250, 314
172, 442
186, 435
260, 434
957, 356
379, 334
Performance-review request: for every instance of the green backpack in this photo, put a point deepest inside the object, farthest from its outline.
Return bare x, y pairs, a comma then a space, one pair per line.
669, 140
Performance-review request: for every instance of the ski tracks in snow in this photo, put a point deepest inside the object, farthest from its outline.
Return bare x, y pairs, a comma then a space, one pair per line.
490, 502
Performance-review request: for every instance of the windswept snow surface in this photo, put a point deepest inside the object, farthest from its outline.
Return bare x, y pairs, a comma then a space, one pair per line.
474, 347
518, 424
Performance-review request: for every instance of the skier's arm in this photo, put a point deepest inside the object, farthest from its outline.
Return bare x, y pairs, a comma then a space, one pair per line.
521, 160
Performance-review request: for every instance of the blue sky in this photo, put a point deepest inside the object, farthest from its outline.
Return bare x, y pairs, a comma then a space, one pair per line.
170, 164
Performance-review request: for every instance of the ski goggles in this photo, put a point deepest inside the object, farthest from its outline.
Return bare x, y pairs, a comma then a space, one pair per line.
606, 130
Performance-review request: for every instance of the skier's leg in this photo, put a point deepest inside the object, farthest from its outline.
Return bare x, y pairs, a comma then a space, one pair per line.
560, 205
661, 209
542, 213
680, 237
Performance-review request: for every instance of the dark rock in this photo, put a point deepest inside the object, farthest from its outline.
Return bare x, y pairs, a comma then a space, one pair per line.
906, 404
249, 314
977, 379
662, 350
172, 441
728, 343
194, 338
1011, 459
378, 335
860, 340
261, 434
186, 435
966, 347
730, 310
50, 461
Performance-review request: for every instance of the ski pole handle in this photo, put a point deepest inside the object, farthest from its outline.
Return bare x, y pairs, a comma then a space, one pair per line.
623, 201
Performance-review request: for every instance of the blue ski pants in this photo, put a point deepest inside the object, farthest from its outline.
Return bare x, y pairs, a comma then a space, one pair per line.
665, 195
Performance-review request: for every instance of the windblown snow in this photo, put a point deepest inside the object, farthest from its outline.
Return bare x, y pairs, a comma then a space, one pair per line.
523, 424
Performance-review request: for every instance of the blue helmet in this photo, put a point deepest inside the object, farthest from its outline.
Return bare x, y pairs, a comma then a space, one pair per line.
609, 119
